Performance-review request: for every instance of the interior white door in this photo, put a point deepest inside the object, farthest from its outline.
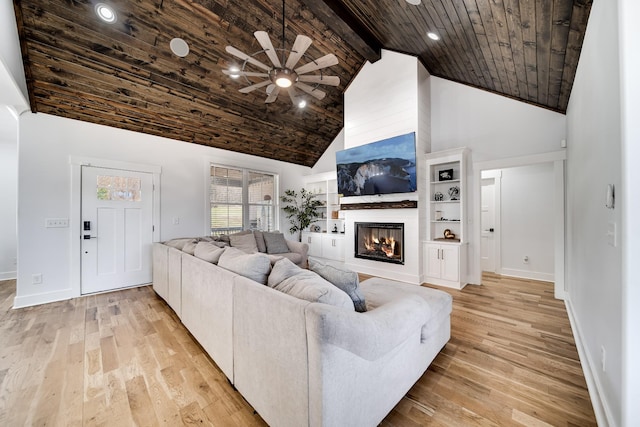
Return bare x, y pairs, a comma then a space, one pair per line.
117, 228
488, 226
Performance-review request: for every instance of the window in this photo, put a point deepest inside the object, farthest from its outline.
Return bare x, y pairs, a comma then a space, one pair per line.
241, 199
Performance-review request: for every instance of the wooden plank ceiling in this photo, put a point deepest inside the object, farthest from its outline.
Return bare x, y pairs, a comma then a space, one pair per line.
124, 74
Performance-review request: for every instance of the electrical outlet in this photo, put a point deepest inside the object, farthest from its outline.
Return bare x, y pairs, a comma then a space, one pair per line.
15, 261
56, 222
525, 259
36, 279
176, 221
603, 358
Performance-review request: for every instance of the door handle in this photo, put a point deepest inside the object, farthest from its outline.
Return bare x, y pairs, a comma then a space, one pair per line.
88, 236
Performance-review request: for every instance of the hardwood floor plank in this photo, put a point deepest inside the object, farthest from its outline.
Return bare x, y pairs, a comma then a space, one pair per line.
124, 358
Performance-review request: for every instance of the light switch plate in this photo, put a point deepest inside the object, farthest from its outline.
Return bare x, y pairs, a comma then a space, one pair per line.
56, 222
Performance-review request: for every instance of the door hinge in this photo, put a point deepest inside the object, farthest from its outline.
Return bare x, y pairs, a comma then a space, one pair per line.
153, 228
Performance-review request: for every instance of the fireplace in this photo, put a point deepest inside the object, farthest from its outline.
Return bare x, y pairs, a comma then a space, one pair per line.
380, 241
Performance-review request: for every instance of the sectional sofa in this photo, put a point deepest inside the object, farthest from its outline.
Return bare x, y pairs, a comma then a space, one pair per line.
298, 362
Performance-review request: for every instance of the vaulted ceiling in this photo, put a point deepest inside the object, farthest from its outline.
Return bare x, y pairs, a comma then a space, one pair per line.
125, 75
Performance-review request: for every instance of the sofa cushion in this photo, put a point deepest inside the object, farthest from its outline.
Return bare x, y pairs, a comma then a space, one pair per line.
262, 246
189, 247
253, 266
294, 257
178, 243
208, 251
343, 278
290, 279
275, 242
244, 242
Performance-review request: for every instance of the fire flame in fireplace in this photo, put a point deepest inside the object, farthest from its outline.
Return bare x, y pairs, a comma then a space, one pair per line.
385, 244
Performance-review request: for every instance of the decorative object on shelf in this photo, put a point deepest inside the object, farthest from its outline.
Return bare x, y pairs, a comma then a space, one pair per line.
335, 228
438, 215
334, 214
301, 210
445, 175
448, 234
315, 228
438, 196
454, 193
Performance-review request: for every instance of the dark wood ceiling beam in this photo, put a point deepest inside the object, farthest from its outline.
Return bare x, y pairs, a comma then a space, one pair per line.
338, 18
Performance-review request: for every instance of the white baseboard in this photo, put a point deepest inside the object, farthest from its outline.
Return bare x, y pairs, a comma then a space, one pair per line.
8, 275
601, 408
525, 274
42, 298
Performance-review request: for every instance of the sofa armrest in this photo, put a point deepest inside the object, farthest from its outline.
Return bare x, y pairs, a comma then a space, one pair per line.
372, 334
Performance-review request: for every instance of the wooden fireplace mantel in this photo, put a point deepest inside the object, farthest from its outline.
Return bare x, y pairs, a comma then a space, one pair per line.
403, 204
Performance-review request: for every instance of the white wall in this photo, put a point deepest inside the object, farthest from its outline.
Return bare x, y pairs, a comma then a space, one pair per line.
594, 160
389, 98
629, 10
44, 187
494, 127
13, 86
527, 221
8, 194
327, 162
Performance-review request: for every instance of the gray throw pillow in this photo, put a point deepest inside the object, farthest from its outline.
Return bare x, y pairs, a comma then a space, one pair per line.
244, 242
276, 244
253, 266
290, 279
209, 252
262, 246
342, 278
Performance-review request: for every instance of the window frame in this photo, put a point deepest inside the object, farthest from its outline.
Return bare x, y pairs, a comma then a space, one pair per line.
246, 219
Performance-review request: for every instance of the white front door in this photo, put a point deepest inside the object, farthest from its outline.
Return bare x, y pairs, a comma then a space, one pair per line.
117, 228
487, 224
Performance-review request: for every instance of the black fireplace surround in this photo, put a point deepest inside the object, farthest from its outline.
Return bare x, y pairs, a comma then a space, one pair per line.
380, 241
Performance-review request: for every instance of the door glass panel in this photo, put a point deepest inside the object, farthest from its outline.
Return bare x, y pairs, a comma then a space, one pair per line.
118, 188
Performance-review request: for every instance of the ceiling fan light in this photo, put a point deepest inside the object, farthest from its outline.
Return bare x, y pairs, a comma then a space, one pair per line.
234, 72
302, 103
433, 36
283, 81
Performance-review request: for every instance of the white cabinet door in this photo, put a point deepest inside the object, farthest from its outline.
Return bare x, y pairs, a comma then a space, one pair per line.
450, 263
333, 247
314, 240
432, 260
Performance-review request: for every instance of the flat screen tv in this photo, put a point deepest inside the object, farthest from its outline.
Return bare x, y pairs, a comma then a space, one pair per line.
382, 167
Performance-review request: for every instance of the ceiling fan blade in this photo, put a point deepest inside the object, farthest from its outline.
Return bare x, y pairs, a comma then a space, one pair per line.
265, 42
323, 80
316, 93
238, 54
300, 46
273, 95
255, 86
326, 61
244, 73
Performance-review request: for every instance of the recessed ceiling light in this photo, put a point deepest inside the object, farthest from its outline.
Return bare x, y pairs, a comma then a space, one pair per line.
179, 47
433, 36
106, 13
302, 103
414, 2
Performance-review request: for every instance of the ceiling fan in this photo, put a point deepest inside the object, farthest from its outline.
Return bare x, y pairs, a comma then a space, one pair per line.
282, 74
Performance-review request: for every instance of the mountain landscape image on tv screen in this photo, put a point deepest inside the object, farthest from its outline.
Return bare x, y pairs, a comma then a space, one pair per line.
382, 167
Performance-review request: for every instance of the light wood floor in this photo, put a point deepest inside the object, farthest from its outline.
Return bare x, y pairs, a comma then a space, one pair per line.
123, 358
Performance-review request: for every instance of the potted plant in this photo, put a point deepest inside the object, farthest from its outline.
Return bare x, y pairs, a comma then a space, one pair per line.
301, 210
